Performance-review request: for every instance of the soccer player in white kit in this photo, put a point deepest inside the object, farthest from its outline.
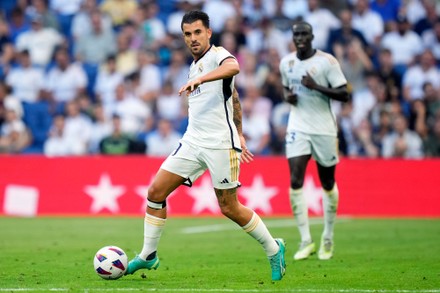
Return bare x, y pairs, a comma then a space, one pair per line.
213, 141
310, 79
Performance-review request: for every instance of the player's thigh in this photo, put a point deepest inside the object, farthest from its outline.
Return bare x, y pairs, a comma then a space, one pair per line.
224, 167
297, 144
185, 162
325, 149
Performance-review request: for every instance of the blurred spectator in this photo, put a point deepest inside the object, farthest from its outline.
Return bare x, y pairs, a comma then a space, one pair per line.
366, 146
77, 127
18, 24
279, 119
364, 99
346, 33
119, 10
14, 135
26, 80
66, 80
152, 27
322, 21
107, 81
218, 11
402, 142
429, 19
414, 10
295, 9
260, 38
82, 21
260, 104
431, 97
348, 145
272, 88
132, 110
432, 142
280, 19
39, 41
126, 57
150, 77
118, 142
256, 128
58, 144
163, 140
417, 119
403, 43
431, 40
175, 18
177, 70
234, 27
254, 11
251, 73
169, 103
94, 47
65, 8
382, 129
41, 7
391, 78
368, 22
419, 74
101, 128
354, 63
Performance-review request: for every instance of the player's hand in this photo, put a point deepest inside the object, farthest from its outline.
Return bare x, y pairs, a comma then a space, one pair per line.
308, 81
246, 155
292, 99
190, 86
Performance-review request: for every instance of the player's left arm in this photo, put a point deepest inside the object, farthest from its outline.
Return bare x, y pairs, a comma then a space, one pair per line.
228, 68
246, 155
339, 93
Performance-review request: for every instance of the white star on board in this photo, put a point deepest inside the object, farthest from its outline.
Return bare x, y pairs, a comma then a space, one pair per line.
204, 196
313, 195
104, 194
258, 195
142, 191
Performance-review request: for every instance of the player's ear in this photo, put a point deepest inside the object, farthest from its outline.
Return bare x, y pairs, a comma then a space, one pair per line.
209, 32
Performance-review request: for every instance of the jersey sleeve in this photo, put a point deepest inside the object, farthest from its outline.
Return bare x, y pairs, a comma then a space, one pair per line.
335, 76
284, 80
222, 54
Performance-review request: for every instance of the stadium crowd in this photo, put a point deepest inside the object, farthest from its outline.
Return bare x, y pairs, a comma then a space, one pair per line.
102, 76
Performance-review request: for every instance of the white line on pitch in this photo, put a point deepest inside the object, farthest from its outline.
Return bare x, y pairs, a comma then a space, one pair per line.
226, 290
269, 223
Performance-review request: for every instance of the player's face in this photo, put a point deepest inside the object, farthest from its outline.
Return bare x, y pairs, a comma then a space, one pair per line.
302, 37
196, 37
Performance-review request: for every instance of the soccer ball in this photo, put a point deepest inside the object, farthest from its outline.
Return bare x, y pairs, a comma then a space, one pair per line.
110, 262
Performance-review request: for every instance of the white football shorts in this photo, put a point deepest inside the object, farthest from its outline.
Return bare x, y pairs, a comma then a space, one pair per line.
190, 162
323, 148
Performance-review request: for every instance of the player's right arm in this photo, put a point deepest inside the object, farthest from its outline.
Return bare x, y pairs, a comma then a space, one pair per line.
246, 155
288, 94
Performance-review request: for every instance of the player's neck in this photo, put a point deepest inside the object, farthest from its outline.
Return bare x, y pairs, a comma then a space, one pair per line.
302, 55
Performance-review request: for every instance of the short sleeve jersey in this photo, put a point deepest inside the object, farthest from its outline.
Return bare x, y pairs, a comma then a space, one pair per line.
210, 112
312, 114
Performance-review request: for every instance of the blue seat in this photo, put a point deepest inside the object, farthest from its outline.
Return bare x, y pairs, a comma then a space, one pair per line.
39, 120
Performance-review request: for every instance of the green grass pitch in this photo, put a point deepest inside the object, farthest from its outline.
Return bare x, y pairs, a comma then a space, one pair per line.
213, 255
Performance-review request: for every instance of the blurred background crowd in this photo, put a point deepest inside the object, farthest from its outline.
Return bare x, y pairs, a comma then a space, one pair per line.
102, 76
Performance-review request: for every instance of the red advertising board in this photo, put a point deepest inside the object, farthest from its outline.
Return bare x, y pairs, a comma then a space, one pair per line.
96, 185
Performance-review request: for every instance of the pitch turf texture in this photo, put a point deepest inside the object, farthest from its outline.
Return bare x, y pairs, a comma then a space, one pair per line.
213, 255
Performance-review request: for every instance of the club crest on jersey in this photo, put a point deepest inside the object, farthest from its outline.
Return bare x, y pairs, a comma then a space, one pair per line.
291, 63
201, 67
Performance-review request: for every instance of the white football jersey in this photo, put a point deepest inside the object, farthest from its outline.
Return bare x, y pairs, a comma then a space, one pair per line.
313, 113
210, 111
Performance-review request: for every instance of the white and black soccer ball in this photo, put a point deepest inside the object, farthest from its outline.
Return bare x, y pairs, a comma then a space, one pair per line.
110, 262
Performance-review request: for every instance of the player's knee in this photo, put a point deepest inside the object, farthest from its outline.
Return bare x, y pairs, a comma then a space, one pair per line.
155, 194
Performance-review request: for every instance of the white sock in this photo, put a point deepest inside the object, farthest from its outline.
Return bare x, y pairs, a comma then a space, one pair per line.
153, 227
258, 230
301, 213
330, 206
